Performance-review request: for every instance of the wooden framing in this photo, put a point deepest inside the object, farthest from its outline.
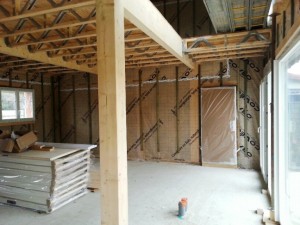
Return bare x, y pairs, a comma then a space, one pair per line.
22, 51
148, 19
64, 35
112, 112
93, 36
225, 46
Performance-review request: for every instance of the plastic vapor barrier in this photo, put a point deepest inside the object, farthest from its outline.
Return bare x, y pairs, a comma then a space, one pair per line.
219, 126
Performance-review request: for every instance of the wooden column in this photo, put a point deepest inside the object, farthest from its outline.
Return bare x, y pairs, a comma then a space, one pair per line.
112, 112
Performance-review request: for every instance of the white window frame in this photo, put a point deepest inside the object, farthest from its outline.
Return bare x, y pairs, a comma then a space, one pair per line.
18, 119
281, 204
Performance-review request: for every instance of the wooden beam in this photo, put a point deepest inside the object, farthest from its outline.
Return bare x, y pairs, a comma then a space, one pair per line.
112, 111
237, 36
212, 59
143, 45
54, 39
169, 58
16, 60
73, 23
22, 52
47, 11
68, 54
147, 65
83, 35
66, 47
231, 47
144, 15
153, 56
225, 53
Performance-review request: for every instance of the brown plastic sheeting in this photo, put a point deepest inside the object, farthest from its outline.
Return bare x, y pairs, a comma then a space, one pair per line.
219, 126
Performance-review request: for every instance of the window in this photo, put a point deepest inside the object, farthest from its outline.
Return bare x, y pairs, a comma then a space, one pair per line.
17, 105
289, 128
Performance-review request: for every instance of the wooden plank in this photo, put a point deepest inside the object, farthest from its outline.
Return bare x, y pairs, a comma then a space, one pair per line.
68, 145
22, 51
230, 36
144, 15
69, 24
219, 165
112, 111
39, 12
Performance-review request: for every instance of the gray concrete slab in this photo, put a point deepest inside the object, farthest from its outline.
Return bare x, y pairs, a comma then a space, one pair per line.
216, 196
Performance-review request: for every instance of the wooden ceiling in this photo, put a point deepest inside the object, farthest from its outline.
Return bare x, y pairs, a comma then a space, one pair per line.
59, 36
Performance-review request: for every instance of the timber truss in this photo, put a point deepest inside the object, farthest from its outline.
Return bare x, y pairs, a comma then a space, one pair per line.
59, 36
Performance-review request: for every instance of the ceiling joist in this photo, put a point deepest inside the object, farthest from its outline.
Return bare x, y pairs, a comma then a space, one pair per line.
64, 35
22, 52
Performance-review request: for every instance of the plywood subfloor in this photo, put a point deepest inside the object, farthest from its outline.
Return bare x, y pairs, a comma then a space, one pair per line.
217, 196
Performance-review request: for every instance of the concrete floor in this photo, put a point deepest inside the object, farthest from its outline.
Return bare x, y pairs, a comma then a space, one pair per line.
216, 196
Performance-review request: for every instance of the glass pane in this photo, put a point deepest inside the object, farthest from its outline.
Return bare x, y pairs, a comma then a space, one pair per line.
293, 130
26, 104
9, 105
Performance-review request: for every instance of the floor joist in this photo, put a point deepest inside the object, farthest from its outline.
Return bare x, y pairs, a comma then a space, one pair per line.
145, 16
22, 52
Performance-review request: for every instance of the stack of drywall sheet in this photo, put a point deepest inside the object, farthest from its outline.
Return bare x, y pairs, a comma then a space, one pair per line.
94, 179
44, 181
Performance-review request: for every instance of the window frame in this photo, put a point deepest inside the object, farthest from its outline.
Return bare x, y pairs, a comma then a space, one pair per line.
18, 120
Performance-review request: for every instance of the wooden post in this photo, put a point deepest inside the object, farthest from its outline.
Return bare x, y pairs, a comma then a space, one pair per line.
112, 112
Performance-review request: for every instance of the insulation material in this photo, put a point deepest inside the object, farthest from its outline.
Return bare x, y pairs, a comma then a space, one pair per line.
166, 106
133, 112
48, 122
233, 72
169, 111
177, 136
67, 129
250, 74
82, 112
187, 113
151, 121
219, 126
95, 118
78, 95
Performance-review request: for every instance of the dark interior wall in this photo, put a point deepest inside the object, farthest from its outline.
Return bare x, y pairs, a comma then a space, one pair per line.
289, 14
188, 17
79, 109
